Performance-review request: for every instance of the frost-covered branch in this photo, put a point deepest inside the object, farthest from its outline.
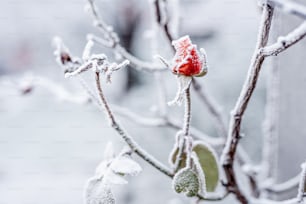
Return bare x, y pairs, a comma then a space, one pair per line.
162, 18
229, 151
285, 186
128, 139
285, 42
187, 115
111, 40
106, 30
300, 179
302, 184
138, 63
165, 122
269, 157
289, 6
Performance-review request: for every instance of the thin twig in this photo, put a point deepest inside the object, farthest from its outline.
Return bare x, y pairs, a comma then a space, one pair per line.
302, 184
165, 122
184, 137
228, 154
128, 139
163, 21
187, 115
285, 186
289, 7
269, 158
112, 41
285, 42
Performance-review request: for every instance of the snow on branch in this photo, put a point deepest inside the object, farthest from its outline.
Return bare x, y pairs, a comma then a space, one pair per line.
289, 6
285, 186
285, 42
229, 151
111, 40
127, 138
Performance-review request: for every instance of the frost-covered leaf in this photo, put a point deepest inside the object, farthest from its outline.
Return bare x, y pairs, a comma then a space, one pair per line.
173, 156
208, 161
126, 166
101, 169
177, 149
187, 181
87, 50
198, 169
113, 178
97, 192
183, 84
109, 152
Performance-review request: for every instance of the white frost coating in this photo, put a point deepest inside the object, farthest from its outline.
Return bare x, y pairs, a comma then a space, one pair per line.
200, 173
284, 42
302, 184
97, 192
110, 171
59, 45
60, 48
204, 60
95, 62
110, 68
101, 169
162, 60
183, 85
111, 177
179, 147
125, 165
87, 50
109, 152
81, 69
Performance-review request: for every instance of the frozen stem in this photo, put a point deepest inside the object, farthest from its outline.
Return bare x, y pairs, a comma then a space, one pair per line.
110, 39
285, 186
162, 19
302, 184
128, 139
289, 7
228, 155
285, 42
187, 115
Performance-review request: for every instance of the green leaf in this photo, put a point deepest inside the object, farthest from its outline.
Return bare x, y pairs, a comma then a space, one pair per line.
208, 161
173, 156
